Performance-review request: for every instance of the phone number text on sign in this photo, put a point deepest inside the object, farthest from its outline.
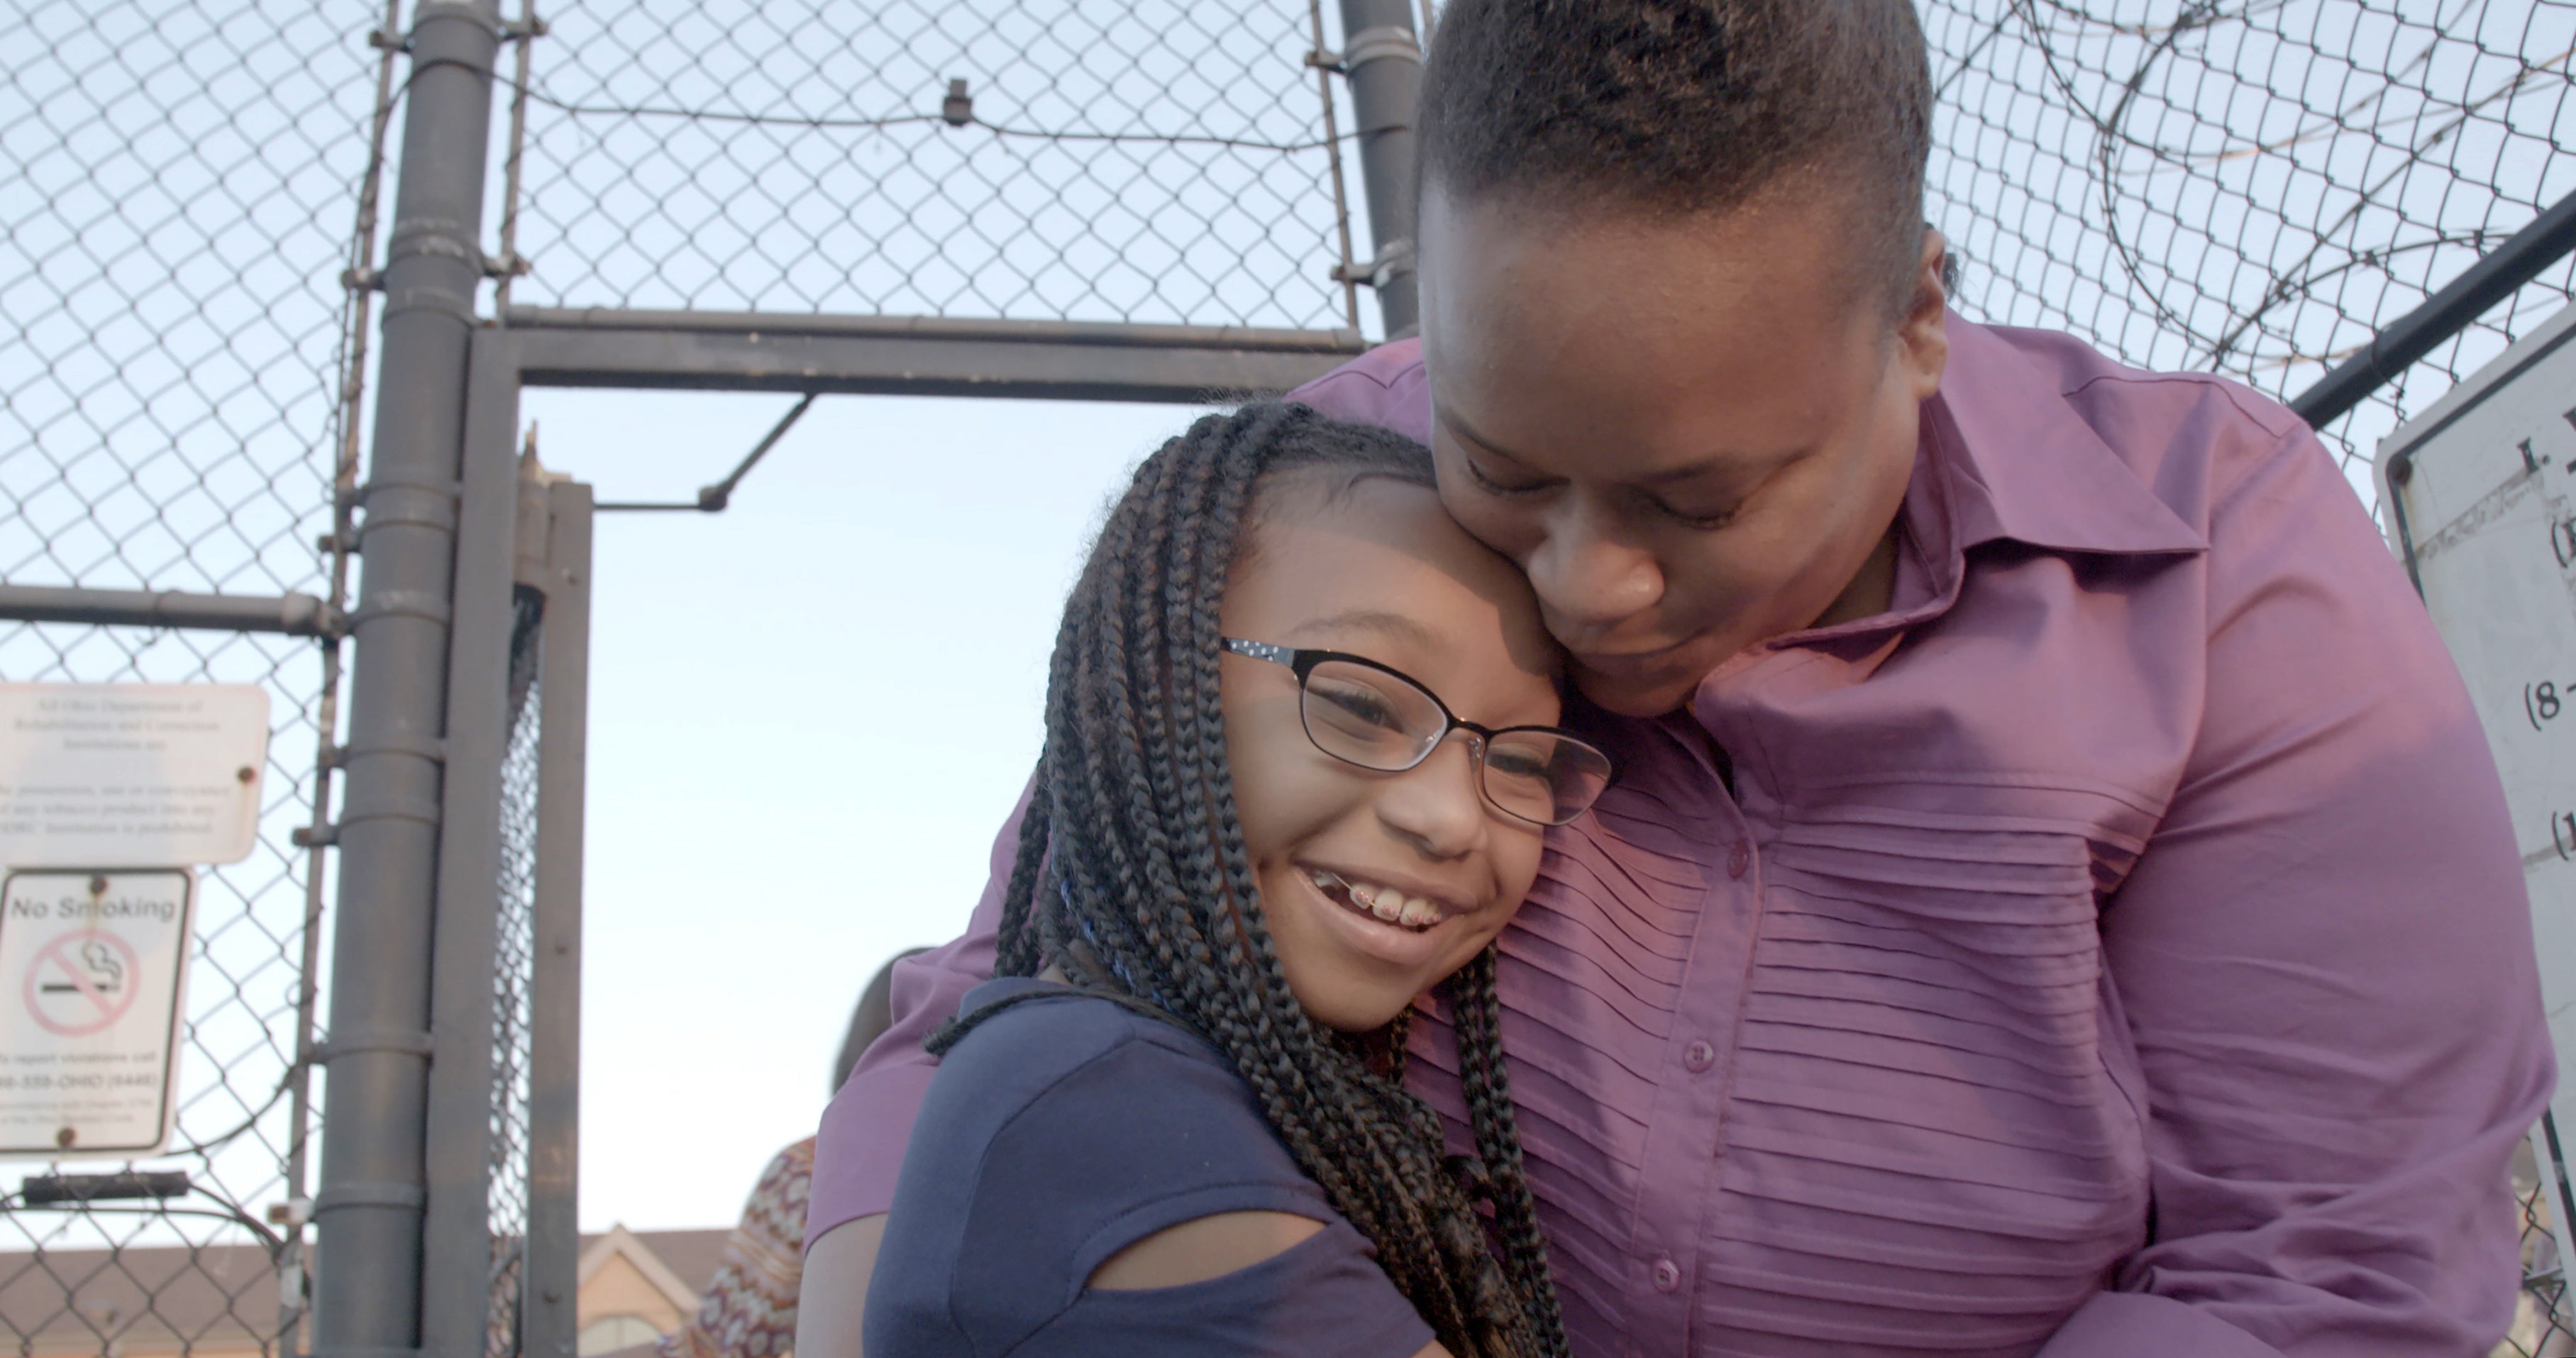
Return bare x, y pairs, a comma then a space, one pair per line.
93, 970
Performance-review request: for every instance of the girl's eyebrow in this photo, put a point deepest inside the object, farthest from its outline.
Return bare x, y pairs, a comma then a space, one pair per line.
1393, 625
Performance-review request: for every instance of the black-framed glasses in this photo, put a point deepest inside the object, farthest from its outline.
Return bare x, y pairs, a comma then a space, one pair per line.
1365, 713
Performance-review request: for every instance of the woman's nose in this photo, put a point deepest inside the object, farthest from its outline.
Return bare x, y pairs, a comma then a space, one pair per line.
1438, 805
1588, 579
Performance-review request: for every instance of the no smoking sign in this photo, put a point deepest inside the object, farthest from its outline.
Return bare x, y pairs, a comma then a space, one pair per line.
92, 970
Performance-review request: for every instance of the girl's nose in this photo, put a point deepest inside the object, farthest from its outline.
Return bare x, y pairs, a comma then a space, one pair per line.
1437, 805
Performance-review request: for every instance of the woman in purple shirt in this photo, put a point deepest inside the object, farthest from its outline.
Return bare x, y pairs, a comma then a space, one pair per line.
2058, 899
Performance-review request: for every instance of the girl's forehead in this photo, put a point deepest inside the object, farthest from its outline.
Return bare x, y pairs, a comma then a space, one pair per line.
1386, 553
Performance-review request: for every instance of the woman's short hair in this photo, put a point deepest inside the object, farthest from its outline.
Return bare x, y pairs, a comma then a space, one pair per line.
1687, 106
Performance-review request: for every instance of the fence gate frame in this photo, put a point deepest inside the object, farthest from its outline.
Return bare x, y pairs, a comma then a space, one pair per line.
444, 1221
456, 1085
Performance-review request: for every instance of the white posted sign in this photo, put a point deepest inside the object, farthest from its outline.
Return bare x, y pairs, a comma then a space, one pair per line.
2480, 493
130, 775
93, 977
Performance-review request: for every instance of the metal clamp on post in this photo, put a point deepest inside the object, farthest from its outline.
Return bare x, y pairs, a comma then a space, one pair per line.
379, 1193
430, 748
433, 236
1379, 44
422, 809
399, 603
447, 488
402, 1041
454, 11
1394, 262
428, 507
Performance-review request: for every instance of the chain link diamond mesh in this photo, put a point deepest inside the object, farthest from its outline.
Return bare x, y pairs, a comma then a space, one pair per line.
2251, 186
513, 958
1117, 160
2258, 187
175, 374
2254, 187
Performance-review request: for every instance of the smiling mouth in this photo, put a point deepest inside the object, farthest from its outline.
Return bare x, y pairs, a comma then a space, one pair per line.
1384, 904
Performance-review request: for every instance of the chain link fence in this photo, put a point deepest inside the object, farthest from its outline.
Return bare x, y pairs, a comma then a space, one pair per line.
176, 400
1090, 160
2259, 187
514, 959
2255, 186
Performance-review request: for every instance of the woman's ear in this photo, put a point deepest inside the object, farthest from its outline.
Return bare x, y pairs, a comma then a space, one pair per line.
1922, 337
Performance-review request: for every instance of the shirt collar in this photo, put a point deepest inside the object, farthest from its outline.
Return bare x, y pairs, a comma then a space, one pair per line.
2019, 462
2005, 457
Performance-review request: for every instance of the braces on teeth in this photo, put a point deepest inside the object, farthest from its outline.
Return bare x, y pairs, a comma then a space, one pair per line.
1384, 903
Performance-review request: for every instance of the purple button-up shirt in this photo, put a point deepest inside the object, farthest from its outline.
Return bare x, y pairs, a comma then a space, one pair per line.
2116, 948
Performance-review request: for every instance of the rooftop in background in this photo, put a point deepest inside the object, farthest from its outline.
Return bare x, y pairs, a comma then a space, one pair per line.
151, 1303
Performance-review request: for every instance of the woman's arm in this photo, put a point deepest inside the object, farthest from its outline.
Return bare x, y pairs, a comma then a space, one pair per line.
858, 1152
2325, 959
832, 1300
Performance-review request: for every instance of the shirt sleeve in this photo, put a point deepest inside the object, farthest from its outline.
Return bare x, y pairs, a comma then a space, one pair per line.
2325, 959
1385, 387
1133, 1137
858, 1151
1322, 1298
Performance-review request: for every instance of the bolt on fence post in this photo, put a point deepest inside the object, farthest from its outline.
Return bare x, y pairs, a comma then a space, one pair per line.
368, 1210
1383, 61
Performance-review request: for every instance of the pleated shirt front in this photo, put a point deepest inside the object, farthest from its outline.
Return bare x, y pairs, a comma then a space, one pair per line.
2117, 948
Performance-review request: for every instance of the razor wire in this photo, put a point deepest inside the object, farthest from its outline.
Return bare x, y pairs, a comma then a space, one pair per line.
2252, 187
2258, 188
2255, 187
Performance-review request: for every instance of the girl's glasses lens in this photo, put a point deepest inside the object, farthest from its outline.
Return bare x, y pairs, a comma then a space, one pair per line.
1546, 778
1380, 721
1369, 717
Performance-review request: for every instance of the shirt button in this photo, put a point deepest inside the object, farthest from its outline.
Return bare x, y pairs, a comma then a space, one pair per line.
1738, 859
1699, 1056
1668, 1276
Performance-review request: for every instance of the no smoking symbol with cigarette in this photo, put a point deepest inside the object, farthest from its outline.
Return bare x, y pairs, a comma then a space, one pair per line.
81, 983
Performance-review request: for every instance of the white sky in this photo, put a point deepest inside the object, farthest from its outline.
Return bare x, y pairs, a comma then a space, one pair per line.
808, 715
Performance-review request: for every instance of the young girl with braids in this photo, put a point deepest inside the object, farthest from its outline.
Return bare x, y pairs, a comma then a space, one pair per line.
1301, 746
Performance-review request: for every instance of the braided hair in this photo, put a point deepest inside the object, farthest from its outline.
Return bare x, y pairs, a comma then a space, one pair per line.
1132, 877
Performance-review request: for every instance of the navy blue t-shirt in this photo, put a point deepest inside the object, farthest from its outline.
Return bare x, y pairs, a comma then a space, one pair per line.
1063, 1130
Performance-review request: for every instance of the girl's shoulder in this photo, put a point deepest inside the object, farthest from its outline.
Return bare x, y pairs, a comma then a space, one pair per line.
1059, 1131
1056, 1077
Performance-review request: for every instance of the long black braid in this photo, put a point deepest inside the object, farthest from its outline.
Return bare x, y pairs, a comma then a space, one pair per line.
1132, 877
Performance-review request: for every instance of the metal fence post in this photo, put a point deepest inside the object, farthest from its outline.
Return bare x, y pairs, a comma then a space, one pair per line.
369, 1208
1383, 61
457, 1241
547, 1328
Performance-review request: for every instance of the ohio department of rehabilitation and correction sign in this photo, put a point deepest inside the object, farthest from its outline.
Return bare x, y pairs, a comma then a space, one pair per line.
110, 796
2480, 494
130, 775
93, 981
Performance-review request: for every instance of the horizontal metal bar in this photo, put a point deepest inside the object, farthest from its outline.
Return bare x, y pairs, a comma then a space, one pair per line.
2544, 242
299, 615
45, 1190
928, 358
1116, 333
